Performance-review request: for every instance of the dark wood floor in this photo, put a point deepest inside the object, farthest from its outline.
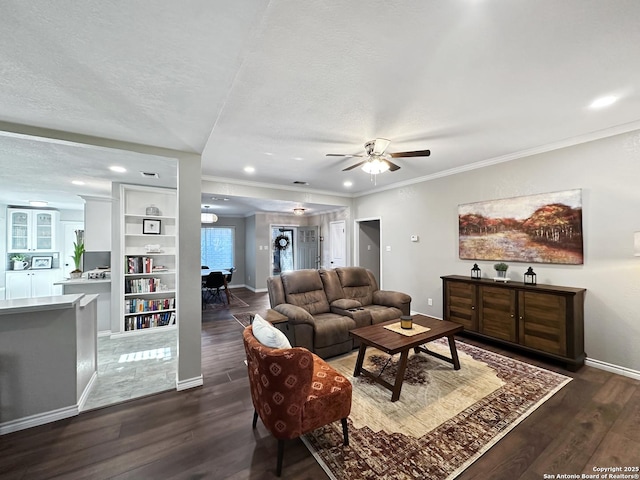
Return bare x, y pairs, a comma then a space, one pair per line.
205, 433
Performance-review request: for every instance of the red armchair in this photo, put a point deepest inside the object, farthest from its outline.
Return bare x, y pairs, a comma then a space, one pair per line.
294, 391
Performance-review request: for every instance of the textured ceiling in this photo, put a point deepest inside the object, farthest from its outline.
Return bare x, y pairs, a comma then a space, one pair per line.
278, 84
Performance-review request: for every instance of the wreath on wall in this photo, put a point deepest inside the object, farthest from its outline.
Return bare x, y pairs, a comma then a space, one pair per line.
282, 242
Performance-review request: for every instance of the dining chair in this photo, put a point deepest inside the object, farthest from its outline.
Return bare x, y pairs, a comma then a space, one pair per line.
229, 277
212, 284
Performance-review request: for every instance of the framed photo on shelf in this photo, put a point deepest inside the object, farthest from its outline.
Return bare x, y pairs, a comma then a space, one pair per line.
151, 226
40, 263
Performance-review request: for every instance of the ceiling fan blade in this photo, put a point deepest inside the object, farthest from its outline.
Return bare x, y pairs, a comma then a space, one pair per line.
392, 166
342, 155
354, 166
416, 153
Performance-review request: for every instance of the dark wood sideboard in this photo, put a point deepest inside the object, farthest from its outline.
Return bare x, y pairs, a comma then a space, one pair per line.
544, 319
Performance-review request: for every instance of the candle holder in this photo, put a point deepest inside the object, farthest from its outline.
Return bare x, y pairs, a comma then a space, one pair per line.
406, 322
476, 272
530, 277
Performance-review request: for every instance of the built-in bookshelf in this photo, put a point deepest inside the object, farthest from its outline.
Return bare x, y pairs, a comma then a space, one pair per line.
148, 248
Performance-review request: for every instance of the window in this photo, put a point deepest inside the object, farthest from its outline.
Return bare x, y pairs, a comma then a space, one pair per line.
216, 247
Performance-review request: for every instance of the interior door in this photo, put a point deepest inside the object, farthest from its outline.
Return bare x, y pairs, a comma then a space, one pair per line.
337, 243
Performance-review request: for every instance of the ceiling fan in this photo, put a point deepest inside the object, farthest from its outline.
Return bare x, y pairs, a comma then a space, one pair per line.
377, 160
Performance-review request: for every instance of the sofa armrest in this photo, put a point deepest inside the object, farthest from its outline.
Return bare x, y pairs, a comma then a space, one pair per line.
390, 298
295, 314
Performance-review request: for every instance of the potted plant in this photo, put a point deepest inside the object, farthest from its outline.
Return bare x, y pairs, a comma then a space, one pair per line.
18, 260
501, 268
78, 251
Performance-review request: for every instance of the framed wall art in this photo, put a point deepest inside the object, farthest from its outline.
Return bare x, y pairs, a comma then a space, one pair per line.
543, 228
151, 226
40, 263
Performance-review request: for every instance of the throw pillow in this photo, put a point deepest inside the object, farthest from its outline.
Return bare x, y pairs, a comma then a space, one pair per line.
268, 335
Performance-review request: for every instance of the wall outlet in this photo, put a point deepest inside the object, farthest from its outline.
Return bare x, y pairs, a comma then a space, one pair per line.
388, 248
414, 238
430, 302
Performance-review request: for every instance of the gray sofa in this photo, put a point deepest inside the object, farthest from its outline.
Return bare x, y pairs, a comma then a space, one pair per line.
322, 306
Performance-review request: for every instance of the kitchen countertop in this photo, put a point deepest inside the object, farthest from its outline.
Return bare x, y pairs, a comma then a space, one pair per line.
82, 281
24, 305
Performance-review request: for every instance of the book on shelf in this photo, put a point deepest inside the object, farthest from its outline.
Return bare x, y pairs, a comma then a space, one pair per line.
146, 305
140, 264
140, 322
143, 285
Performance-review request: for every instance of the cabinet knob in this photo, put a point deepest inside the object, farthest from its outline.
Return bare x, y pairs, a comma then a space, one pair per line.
521, 318
512, 315
473, 308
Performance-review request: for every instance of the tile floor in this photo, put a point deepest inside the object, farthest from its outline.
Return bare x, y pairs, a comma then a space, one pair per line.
133, 367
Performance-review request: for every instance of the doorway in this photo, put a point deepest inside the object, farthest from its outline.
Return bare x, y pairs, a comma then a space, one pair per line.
368, 245
294, 248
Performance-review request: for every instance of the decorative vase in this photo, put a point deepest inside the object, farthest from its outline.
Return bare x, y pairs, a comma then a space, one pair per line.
502, 273
75, 275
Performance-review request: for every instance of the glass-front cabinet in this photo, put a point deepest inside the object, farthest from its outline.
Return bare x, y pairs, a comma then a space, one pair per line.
31, 230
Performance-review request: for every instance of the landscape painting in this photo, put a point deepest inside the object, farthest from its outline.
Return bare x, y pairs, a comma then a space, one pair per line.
544, 228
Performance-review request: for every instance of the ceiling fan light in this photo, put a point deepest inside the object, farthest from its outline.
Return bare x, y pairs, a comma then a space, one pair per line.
375, 165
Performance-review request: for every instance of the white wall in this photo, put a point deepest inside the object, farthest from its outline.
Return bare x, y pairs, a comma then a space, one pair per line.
606, 170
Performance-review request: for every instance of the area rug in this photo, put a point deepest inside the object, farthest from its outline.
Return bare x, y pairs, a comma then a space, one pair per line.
444, 420
243, 319
235, 302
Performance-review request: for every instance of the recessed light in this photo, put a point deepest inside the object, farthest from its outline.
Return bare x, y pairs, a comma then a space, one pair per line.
77, 182
300, 182
268, 154
249, 169
298, 158
348, 183
38, 203
149, 174
603, 101
116, 168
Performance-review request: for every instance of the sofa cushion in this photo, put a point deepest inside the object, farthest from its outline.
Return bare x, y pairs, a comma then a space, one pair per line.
331, 329
380, 313
356, 284
332, 286
304, 288
346, 303
268, 335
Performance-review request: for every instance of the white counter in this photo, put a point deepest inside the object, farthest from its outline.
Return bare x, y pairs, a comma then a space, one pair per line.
48, 352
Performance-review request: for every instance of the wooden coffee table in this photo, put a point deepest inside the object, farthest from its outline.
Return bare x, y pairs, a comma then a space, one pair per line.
391, 342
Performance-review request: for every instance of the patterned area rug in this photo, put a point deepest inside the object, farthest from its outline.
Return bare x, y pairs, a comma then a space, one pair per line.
443, 421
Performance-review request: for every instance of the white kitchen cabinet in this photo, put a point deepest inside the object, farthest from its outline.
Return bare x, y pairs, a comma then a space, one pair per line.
31, 230
32, 283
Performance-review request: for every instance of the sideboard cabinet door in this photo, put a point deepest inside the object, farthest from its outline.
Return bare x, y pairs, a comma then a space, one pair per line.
497, 313
543, 321
460, 300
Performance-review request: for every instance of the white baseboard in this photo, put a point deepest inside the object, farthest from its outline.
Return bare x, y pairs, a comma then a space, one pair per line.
256, 290
609, 367
87, 390
38, 419
190, 383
